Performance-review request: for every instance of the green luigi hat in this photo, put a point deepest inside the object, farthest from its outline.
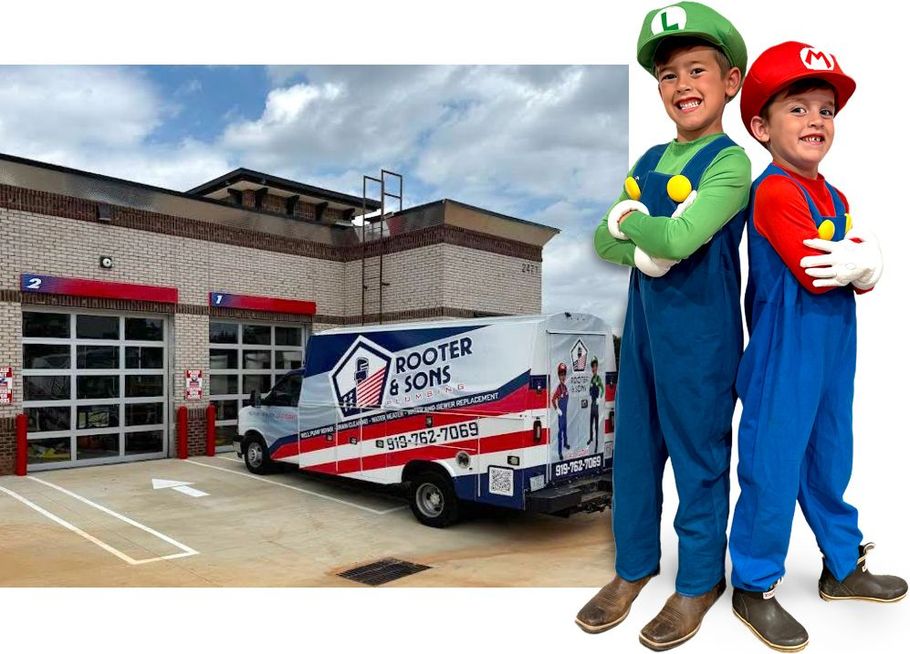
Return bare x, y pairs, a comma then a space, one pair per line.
691, 19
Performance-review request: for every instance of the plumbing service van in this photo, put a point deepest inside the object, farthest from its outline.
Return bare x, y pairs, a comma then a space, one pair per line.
512, 411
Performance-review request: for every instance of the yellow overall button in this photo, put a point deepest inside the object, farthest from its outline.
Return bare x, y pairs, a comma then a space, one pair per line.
826, 230
632, 189
678, 188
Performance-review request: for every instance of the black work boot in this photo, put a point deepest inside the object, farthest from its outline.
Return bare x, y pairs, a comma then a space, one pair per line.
769, 621
861, 584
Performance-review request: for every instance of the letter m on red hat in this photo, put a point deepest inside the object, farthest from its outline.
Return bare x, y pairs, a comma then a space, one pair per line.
815, 59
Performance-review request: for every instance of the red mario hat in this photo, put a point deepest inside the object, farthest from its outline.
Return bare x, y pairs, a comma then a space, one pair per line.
781, 65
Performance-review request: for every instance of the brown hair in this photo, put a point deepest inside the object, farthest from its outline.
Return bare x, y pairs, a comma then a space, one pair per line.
797, 87
668, 46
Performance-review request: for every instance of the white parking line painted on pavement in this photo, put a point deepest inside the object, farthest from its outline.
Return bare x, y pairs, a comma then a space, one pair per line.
187, 551
299, 490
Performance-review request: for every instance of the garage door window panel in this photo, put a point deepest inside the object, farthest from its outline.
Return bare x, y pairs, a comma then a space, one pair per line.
257, 360
144, 413
37, 324
97, 446
97, 387
223, 385
144, 385
94, 357
257, 335
48, 418
97, 416
144, 329
40, 356
49, 450
223, 332
98, 327
45, 387
144, 442
151, 358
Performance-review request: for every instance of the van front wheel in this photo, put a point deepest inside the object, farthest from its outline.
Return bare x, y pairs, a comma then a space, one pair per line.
256, 456
433, 500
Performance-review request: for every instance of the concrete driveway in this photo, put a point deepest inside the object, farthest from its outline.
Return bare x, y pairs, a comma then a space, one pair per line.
110, 526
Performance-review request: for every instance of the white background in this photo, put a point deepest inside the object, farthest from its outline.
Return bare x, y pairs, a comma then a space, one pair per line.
869, 39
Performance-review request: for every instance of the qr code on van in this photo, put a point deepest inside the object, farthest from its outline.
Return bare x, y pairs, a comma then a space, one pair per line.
501, 481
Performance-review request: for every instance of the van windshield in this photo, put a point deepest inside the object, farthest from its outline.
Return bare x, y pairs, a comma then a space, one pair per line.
286, 392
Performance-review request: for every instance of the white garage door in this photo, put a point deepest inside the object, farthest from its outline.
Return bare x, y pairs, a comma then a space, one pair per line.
94, 387
247, 356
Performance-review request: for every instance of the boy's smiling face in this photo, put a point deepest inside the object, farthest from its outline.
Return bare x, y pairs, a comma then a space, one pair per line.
695, 90
799, 130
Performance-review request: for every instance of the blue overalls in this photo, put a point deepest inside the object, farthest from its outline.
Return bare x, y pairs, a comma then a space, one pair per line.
594, 392
563, 403
681, 344
795, 436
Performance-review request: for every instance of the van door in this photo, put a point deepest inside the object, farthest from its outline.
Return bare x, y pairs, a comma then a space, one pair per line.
577, 408
278, 417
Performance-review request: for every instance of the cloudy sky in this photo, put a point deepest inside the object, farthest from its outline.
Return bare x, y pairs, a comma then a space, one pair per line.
542, 143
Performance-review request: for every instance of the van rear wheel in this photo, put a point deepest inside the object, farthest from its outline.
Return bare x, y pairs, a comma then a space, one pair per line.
433, 500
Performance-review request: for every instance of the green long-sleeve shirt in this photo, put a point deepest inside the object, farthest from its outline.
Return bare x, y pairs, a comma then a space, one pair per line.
722, 193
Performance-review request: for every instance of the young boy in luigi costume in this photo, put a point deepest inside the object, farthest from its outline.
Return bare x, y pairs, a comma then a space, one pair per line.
806, 262
678, 224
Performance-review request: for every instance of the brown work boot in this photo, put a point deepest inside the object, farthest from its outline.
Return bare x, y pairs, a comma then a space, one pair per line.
680, 619
610, 605
862, 584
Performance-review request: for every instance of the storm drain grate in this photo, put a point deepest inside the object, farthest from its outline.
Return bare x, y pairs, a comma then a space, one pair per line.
382, 571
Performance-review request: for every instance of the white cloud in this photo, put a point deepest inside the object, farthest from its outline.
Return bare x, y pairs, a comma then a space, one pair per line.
100, 119
479, 133
53, 109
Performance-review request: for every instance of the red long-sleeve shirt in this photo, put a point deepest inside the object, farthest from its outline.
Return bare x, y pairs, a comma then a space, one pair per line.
782, 216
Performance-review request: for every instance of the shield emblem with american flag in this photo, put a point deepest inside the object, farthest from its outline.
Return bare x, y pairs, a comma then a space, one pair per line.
579, 356
360, 378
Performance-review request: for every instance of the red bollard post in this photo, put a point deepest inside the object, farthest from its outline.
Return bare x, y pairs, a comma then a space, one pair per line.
210, 430
182, 432
21, 444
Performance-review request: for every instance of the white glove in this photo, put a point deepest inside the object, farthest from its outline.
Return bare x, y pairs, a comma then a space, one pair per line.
847, 262
559, 412
685, 204
618, 212
869, 238
652, 266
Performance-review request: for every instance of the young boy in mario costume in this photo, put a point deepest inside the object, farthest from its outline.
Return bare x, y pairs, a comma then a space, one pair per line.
678, 224
806, 261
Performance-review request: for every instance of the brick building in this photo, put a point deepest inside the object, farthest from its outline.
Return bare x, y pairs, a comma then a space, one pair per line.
111, 291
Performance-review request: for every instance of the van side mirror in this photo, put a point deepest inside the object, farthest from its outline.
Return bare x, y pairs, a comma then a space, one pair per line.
255, 400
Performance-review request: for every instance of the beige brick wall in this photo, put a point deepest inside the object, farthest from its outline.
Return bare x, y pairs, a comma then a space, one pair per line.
435, 275
485, 281
191, 352
70, 248
415, 280
11, 353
